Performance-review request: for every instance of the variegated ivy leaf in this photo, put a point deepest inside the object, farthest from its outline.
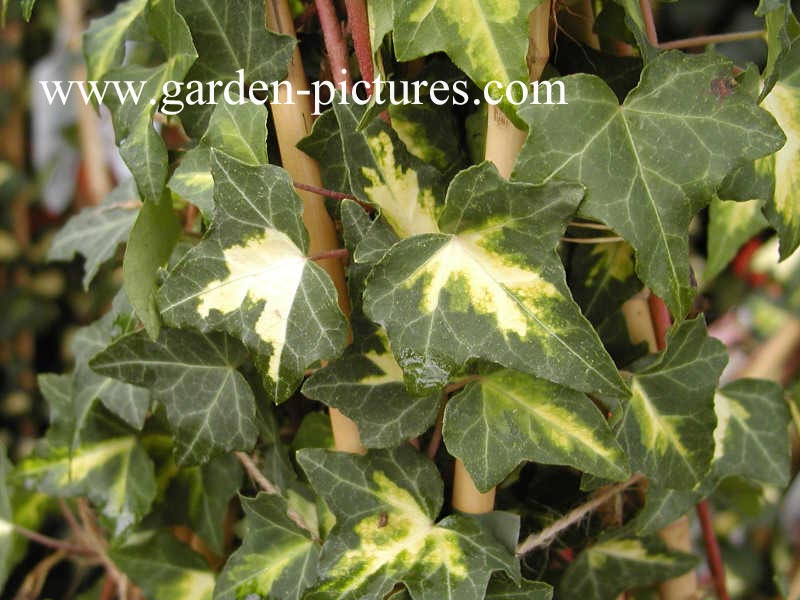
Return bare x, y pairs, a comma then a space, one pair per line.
208, 402
608, 568
752, 435
97, 231
651, 186
506, 417
730, 225
199, 497
385, 505
140, 145
780, 172
238, 130
104, 40
230, 35
163, 567
277, 559
250, 277
366, 384
431, 133
101, 458
382, 172
669, 423
487, 40
489, 287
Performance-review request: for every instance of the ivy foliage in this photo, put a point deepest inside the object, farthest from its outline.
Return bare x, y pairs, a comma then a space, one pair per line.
471, 315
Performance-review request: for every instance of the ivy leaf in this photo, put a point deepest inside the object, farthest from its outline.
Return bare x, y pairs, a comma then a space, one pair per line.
250, 277
231, 35
97, 231
670, 419
150, 245
366, 384
277, 559
752, 436
163, 567
485, 39
634, 19
730, 225
608, 568
780, 170
602, 278
503, 588
506, 417
649, 189
198, 497
128, 402
140, 145
325, 145
489, 287
385, 504
208, 402
382, 172
662, 507
782, 29
104, 40
106, 463
431, 133
238, 130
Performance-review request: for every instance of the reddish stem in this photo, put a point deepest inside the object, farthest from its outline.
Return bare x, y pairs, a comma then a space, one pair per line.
659, 313
334, 42
335, 253
323, 192
649, 22
712, 551
53, 543
359, 26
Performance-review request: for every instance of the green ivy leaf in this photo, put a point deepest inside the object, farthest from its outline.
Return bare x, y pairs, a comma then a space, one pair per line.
382, 172
366, 384
730, 225
649, 189
198, 497
487, 40
385, 504
506, 417
325, 145
670, 420
231, 35
130, 403
752, 435
104, 40
663, 506
608, 568
431, 133
97, 231
163, 567
140, 145
150, 245
782, 29
503, 588
489, 287
250, 277
209, 403
240, 131
277, 559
